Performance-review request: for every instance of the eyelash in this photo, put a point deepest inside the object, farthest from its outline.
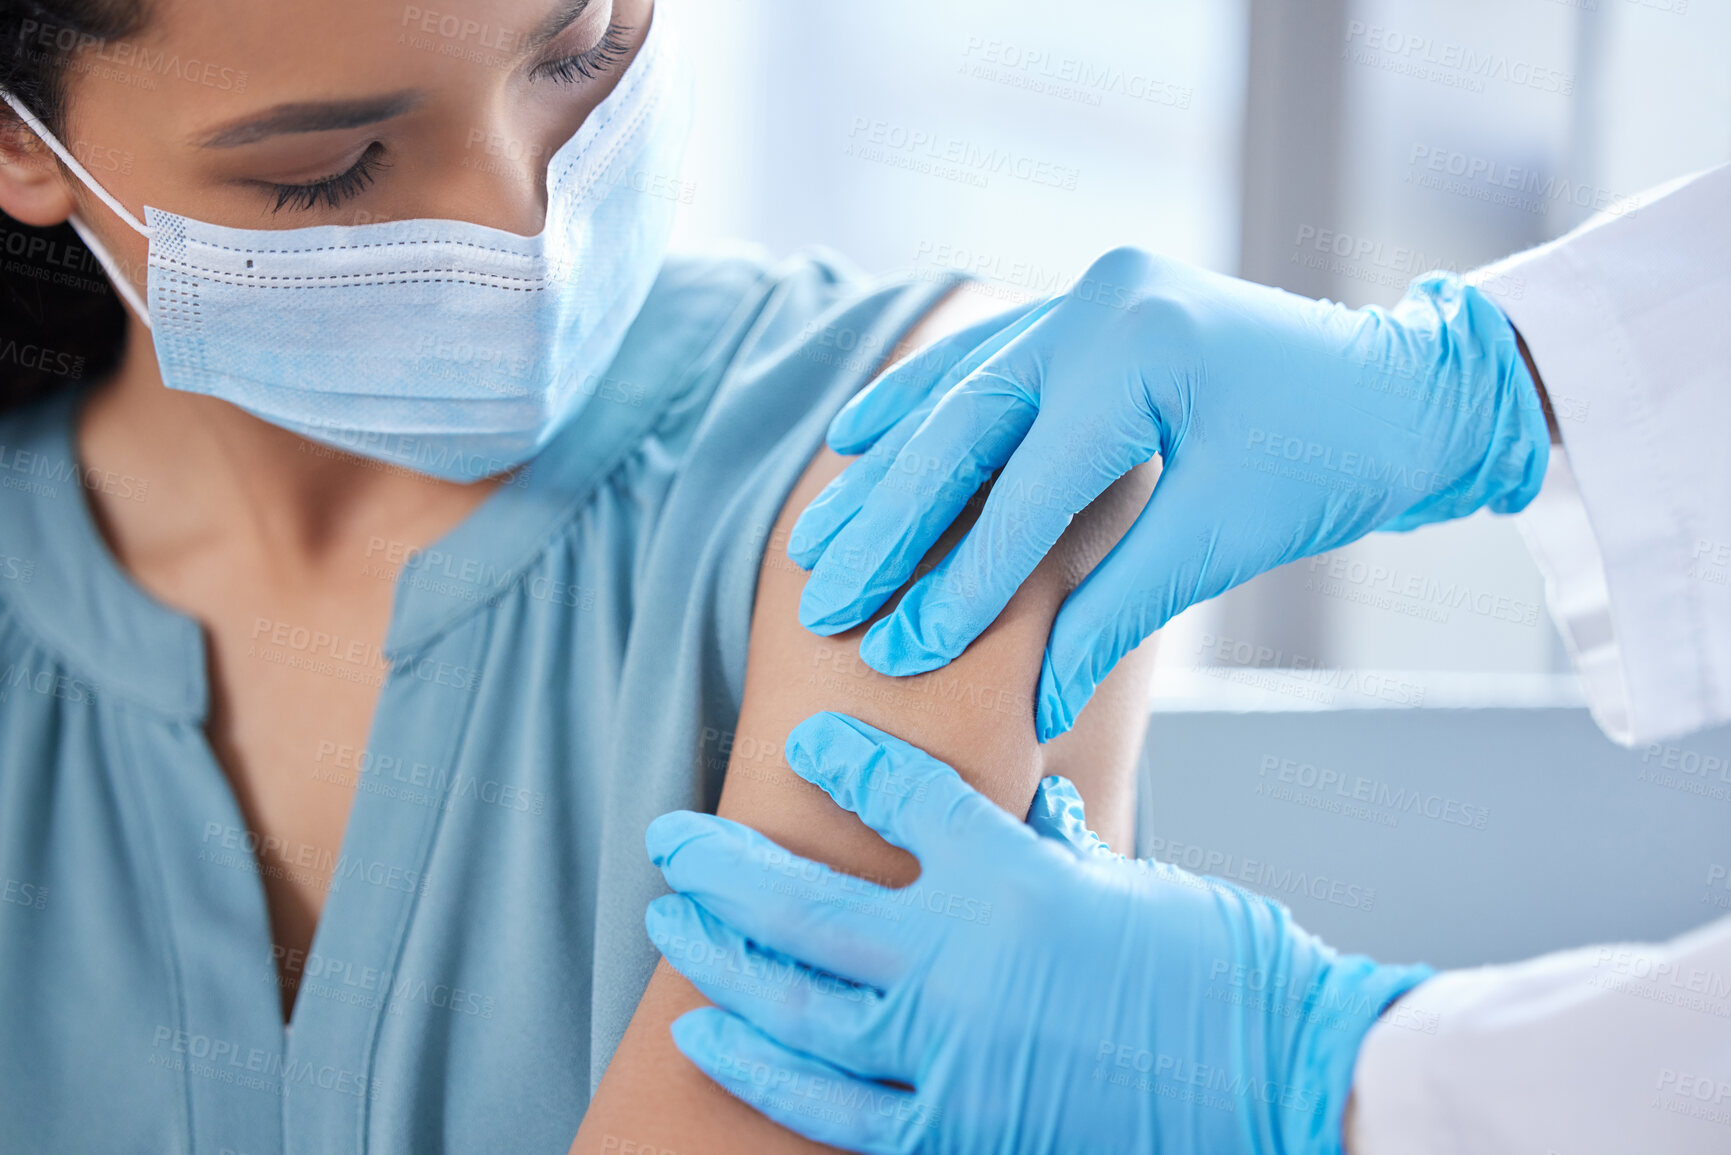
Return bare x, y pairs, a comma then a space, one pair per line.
608, 51
332, 190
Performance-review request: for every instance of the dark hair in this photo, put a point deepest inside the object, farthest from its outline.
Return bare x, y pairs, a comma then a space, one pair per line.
60, 320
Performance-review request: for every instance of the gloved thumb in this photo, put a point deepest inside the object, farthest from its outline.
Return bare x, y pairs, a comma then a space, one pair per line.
1182, 549
1057, 814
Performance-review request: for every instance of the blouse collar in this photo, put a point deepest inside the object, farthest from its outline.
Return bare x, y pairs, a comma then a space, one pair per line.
78, 600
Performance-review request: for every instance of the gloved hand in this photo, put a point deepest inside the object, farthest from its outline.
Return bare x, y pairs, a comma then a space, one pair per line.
1036, 993
1286, 427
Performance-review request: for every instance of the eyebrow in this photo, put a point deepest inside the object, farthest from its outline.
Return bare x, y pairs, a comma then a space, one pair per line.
314, 116
566, 14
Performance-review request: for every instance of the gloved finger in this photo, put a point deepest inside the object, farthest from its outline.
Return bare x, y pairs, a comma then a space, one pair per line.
835, 505
859, 1116
971, 432
831, 510
910, 798
923, 373
806, 1008
1056, 471
803, 909
1183, 548
1057, 813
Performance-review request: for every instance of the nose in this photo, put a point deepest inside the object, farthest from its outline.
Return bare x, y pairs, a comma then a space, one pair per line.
496, 179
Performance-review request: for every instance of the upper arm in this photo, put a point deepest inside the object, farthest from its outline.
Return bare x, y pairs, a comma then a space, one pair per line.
977, 714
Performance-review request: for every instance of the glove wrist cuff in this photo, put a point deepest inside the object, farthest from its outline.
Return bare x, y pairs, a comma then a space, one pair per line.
1483, 403
1351, 997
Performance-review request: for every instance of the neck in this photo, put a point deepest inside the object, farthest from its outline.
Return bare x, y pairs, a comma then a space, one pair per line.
222, 481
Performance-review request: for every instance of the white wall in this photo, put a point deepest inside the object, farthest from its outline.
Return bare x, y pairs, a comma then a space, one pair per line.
1140, 147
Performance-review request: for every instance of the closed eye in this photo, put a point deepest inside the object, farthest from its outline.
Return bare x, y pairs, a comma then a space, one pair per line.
329, 191
613, 47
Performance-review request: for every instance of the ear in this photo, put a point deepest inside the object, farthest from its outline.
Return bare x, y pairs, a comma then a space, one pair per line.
33, 190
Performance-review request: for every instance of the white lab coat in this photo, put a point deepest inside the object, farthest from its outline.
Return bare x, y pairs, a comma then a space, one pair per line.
1622, 1049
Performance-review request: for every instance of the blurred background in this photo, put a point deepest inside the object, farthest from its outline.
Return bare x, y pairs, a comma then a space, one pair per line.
1336, 148
1332, 147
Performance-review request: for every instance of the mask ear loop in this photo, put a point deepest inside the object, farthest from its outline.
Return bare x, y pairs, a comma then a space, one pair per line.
122, 283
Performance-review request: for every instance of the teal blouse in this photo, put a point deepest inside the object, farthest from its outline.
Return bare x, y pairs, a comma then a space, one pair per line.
561, 667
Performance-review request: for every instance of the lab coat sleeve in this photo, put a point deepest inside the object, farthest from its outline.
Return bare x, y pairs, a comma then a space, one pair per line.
1607, 1050
1628, 320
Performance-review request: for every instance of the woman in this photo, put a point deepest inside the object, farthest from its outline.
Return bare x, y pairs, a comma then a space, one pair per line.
396, 547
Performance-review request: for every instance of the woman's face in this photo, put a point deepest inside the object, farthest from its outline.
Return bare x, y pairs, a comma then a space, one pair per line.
283, 113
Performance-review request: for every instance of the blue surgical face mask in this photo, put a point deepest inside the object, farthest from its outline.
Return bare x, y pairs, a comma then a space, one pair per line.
447, 347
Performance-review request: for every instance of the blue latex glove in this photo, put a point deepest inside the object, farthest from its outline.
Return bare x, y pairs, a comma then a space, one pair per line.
1286, 427
1035, 993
